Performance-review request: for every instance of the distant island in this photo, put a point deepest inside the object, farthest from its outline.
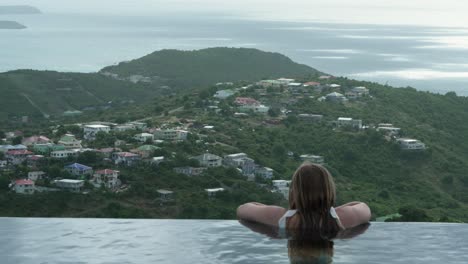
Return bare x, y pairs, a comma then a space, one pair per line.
20, 9
11, 25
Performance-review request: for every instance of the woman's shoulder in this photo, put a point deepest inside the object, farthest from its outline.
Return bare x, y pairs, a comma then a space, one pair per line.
353, 214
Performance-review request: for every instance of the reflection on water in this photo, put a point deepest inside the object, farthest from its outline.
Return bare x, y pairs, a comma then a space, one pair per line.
307, 249
32, 241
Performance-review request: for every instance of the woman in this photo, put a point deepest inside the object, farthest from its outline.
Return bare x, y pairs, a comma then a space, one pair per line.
311, 200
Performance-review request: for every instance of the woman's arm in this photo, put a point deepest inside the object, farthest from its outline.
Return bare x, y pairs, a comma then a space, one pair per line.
353, 214
260, 213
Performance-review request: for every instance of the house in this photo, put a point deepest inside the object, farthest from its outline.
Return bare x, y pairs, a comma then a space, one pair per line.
248, 167
349, 122
5, 148
311, 84
16, 157
34, 160
264, 172
79, 169
125, 158
234, 160
107, 152
246, 101
157, 160
36, 175
214, 191
360, 91
138, 125
335, 97
310, 117
123, 128
47, 148
23, 186
165, 195
3, 164
280, 184
35, 140
209, 160
285, 81
411, 144
255, 108
189, 171
223, 94
70, 142
145, 151
170, 134
107, 178
70, 185
144, 137
269, 83
389, 129
90, 131
63, 154
313, 158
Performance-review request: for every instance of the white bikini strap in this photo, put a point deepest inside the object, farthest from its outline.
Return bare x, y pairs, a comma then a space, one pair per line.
282, 221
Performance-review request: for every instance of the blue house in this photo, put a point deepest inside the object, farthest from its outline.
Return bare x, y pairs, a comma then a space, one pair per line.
79, 169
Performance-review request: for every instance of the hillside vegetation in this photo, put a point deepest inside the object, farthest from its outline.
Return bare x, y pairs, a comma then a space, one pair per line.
429, 185
204, 67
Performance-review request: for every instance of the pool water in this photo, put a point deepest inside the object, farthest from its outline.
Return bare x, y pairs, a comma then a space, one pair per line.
36, 240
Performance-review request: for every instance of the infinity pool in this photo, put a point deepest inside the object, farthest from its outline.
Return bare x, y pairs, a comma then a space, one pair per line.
35, 240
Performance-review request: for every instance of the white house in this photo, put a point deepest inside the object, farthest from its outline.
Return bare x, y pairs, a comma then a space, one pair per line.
3, 163
335, 97
209, 160
70, 185
170, 134
389, 129
107, 178
63, 154
16, 157
190, 171
36, 175
281, 184
411, 144
214, 191
90, 131
165, 195
125, 158
69, 141
23, 186
313, 158
144, 137
349, 122
234, 160
264, 172
157, 160
223, 94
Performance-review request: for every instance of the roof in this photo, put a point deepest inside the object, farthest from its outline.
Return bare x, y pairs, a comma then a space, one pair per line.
106, 171
127, 154
144, 135
147, 148
215, 190
68, 138
96, 126
70, 181
335, 94
345, 119
24, 182
19, 152
161, 191
311, 83
78, 166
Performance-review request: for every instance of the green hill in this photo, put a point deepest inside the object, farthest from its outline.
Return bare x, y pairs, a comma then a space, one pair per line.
40, 93
207, 66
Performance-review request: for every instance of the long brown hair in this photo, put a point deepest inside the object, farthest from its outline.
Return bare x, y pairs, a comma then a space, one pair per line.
312, 193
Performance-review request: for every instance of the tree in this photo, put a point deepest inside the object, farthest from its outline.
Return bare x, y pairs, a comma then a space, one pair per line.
17, 140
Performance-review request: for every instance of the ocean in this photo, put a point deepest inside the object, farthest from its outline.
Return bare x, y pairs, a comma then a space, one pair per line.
427, 58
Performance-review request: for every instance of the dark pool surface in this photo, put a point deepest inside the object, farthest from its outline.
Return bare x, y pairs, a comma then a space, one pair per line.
32, 240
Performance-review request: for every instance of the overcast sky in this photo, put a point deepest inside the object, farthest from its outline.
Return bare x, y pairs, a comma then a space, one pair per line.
416, 12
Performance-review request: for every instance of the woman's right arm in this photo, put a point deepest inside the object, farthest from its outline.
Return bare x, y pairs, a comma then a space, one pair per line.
260, 213
353, 214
